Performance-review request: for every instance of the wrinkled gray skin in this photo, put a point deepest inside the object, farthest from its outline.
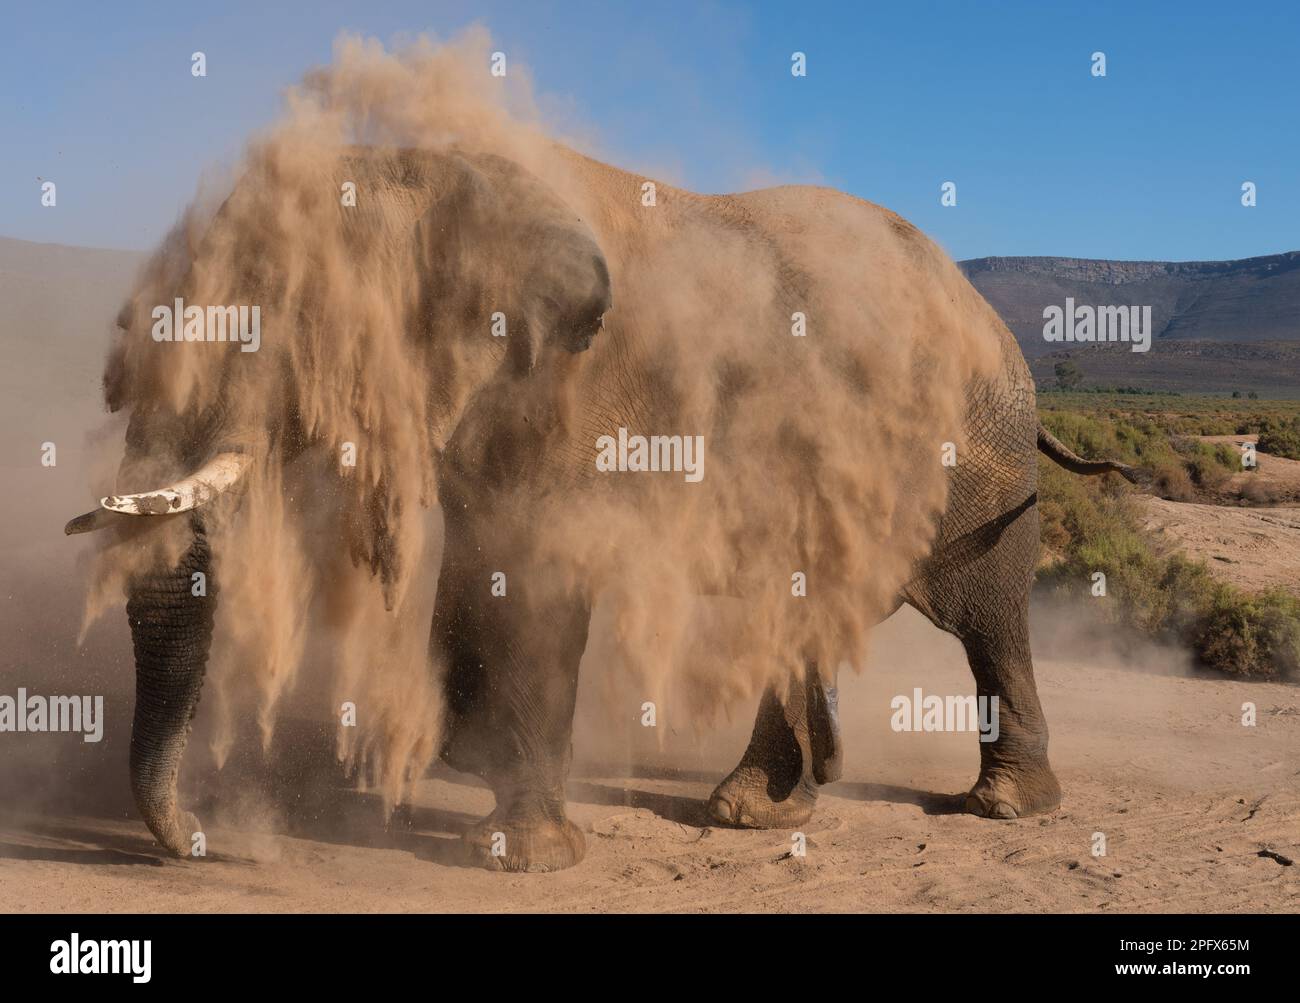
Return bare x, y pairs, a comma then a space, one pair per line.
511, 680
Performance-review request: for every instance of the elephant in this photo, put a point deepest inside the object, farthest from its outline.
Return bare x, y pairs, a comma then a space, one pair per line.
567, 259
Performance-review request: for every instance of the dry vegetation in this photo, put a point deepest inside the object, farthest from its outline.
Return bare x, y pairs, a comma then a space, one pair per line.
1096, 525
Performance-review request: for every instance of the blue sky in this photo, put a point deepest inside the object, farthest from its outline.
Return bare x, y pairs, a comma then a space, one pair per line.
1147, 162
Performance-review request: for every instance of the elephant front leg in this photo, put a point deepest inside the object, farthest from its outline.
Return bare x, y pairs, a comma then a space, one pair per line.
795, 747
528, 830
512, 678
171, 631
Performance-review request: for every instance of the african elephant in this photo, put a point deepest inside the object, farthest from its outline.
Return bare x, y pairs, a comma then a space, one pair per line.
473, 237
585, 261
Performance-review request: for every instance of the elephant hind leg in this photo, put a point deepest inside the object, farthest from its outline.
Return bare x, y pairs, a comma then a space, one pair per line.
983, 600
825, 742
795, 747
1015, 777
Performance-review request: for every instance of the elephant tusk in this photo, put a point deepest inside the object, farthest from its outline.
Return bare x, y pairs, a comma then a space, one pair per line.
91, 521
214, 477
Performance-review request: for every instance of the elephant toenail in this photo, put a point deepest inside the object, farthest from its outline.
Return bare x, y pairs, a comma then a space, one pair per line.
722, 809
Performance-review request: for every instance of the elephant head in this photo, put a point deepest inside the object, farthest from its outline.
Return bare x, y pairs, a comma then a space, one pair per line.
458, 248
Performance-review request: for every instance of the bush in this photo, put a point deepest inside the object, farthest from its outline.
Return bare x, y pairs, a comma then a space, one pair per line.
1257, 493
1278, 437
1256, 636
1179, 462
1093, 525
1229, 457
1068, 375
1173, 482
1207, 473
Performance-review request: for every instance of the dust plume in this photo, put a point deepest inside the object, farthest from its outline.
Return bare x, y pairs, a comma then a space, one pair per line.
822, 451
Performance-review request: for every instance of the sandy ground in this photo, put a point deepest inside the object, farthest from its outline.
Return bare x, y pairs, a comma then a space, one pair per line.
1153, 758
1275, 479
1255, 548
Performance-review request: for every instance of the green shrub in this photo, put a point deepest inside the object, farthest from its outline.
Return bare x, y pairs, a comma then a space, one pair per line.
1094, 524
1178, 462
1172, 481
1279, 437
1207, 473
1256, 636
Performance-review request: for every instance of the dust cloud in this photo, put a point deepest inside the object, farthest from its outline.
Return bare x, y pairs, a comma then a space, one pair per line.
821, 452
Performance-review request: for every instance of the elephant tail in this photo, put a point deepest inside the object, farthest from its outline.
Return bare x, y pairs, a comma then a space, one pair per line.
1059, 453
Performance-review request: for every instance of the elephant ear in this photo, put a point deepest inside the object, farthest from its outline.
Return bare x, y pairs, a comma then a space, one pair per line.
499, 253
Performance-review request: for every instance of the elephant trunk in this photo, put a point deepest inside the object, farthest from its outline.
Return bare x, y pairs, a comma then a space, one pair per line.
171, 631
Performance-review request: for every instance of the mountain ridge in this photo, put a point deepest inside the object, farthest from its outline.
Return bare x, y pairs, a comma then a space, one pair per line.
1119, 270
1218, 326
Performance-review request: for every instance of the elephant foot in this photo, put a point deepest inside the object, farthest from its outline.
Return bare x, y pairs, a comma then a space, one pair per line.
1014, 792
748, 798
544, 844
